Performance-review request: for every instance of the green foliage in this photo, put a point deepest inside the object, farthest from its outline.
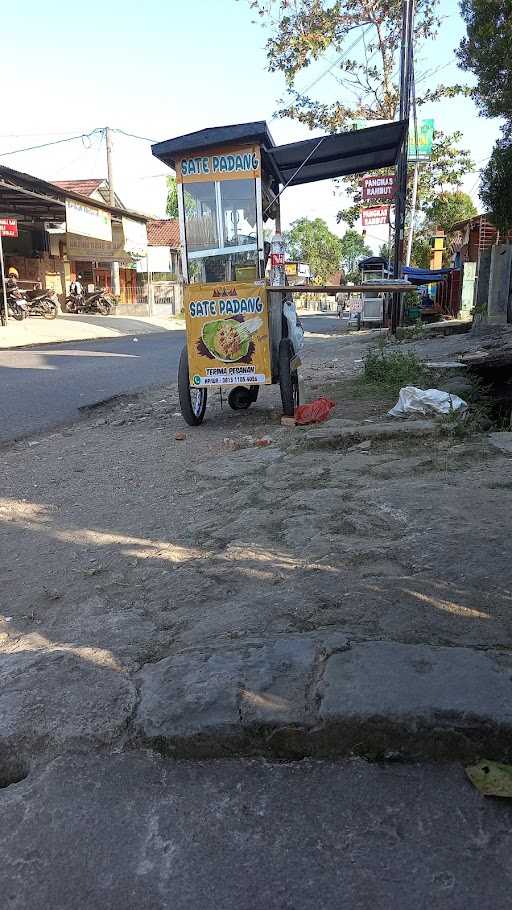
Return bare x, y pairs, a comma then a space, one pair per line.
171, 206
353, 248
393, 370
446, 209
420, 253
411, 332
444, 169
364, 37
363, 34
496, 184
486, 51
312, 242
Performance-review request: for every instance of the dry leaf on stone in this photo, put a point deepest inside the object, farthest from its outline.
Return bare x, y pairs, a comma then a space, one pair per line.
491, 778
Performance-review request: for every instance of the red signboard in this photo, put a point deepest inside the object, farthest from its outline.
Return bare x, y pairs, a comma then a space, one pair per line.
380, 186
378, 214
276, 259
8, 227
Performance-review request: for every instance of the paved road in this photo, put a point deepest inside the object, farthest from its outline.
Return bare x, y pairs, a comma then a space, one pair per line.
45, 386
42, 387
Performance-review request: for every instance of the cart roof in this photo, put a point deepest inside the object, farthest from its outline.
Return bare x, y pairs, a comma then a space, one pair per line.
321, 158
213, 136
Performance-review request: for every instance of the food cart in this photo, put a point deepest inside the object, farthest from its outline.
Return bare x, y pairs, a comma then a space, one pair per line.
240, 327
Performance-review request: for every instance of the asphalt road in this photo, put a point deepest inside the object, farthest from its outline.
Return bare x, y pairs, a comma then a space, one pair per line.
45, 386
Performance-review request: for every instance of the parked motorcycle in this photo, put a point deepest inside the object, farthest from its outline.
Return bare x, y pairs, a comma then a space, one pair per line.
101, 301
17, 305
43, 303
39, 303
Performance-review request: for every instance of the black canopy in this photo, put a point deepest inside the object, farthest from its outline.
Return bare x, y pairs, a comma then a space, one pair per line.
299, 162
340, 154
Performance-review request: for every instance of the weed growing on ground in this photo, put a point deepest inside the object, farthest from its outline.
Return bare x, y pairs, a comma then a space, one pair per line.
410, 332
392, 370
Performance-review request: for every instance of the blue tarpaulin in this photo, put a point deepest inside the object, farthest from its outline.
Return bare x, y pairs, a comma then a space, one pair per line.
424, 276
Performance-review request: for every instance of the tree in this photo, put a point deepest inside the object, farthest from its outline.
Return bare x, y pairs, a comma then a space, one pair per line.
312, 242
486, 51
444, 170
421, 252
365, 37
446, 209
352, 249
496, 184
171, 206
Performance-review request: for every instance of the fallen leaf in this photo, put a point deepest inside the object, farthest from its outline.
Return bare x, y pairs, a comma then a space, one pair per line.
491, 778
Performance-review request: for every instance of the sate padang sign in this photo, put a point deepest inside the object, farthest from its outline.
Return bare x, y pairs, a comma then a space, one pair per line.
226, 164
380, 186
378, 214
227, 334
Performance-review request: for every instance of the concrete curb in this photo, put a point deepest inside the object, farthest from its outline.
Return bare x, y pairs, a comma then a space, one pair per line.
298, 696
338, 431
286, 697
156, 329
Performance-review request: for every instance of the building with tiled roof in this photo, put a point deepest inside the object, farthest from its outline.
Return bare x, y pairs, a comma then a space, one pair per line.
164, 232
94, 187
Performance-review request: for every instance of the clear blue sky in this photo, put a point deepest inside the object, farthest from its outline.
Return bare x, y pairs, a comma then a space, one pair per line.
162, 68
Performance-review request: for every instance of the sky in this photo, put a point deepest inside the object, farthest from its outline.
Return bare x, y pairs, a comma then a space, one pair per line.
164, 68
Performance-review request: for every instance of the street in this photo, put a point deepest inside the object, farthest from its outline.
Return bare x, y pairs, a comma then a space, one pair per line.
45, 386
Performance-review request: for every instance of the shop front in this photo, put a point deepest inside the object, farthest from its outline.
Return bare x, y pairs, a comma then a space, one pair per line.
58, 235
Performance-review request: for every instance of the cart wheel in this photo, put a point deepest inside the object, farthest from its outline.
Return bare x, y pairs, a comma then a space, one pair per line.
192, 401
240, 398
288, 378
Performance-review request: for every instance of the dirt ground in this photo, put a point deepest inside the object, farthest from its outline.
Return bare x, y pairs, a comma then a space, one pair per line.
124, 545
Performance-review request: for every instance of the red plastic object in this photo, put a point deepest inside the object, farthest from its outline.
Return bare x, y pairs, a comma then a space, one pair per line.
314, 412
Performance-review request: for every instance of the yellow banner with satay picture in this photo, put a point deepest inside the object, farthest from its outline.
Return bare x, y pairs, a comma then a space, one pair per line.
227, 334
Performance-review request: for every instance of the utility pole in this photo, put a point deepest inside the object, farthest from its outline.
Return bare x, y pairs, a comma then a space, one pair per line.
5, 309
405, 103
413, 211
414, 195
114, 267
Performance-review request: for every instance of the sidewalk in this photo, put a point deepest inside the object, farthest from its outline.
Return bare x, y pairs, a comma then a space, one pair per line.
69, 327
186, 593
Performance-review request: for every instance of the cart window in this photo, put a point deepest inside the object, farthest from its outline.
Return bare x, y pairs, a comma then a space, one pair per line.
224, 267
238, 200
201, 216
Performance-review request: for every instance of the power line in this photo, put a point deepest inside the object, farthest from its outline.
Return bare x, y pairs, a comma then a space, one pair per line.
43, 145
134, 136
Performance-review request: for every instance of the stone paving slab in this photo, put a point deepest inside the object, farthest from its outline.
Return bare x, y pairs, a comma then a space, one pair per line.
301, 695
502, 441
136, 832
54, 701
341, 431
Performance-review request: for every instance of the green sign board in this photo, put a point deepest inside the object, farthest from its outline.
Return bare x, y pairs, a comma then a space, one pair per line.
425, 139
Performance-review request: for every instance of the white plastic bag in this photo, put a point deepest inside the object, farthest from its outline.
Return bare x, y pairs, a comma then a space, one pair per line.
426, 401
295, 330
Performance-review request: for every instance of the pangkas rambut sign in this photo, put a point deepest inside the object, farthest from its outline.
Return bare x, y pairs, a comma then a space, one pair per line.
380, 186
378, 214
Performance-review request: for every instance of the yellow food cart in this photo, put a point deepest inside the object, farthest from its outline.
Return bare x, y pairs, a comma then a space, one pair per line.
240, 334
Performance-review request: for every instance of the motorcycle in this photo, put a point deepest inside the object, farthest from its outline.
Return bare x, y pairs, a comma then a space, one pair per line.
43, 303
17, 304
101, 301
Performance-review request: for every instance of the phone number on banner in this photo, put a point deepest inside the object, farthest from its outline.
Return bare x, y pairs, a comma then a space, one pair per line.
229, 379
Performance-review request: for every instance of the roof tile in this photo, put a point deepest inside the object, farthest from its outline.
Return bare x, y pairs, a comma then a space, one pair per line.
164, 232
